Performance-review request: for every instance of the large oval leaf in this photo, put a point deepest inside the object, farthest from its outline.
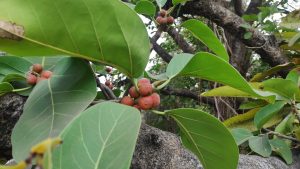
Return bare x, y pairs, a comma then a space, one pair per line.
286, 88
202, 32
145, 7
99, 30
48, 63
53, 104
241, 135
267, 112
13, 65
282, 149
260, 145
210, 67
103, 136
207, 137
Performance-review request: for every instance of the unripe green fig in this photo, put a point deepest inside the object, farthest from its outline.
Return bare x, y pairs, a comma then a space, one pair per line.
127, 101
31, 79
46, 74
156, 99
145, 103
145, 89
38, 68
133, 92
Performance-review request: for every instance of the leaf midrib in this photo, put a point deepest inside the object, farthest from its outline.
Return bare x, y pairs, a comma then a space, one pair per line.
191, 138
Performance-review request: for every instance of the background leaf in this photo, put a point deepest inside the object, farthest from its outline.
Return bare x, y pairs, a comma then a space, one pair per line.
13, 65
207, 137
292, 20
53, 104
202, 32
176, 2
282, 149
114, 35
286, 125
241, 135
283, 87
103, 136
161, 3
267, 112
294, 76
5, 88
145, 7
260, 145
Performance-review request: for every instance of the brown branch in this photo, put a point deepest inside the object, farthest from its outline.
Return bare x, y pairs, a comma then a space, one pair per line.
238, 7
265, 46
253, 7
179, 40
161, 51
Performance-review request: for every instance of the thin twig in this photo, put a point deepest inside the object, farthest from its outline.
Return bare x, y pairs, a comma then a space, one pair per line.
282, 135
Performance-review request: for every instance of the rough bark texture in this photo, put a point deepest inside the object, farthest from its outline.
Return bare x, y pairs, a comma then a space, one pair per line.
156, 149
265, 46
11, 107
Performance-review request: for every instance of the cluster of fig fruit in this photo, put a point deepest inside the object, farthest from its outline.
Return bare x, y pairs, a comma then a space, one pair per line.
164, 19
143, 98
37, 74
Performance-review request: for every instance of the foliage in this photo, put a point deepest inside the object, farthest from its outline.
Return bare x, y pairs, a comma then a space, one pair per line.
97, 133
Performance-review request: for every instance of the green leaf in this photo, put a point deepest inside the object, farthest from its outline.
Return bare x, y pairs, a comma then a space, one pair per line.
286, 125
282, 149
294, 76
209, 67
103, 136
260, 145
48, 63
252, 104
241, 135
145, 7
248, 35
294, 39
260, 76
162, 76
5, 88
267, 112
225, 91
53, 104
176, 2
207, 137
292, 20
178, 63
202, 32
251, 17
161, 3
13, 65
283, 87
114, 35
14, 77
